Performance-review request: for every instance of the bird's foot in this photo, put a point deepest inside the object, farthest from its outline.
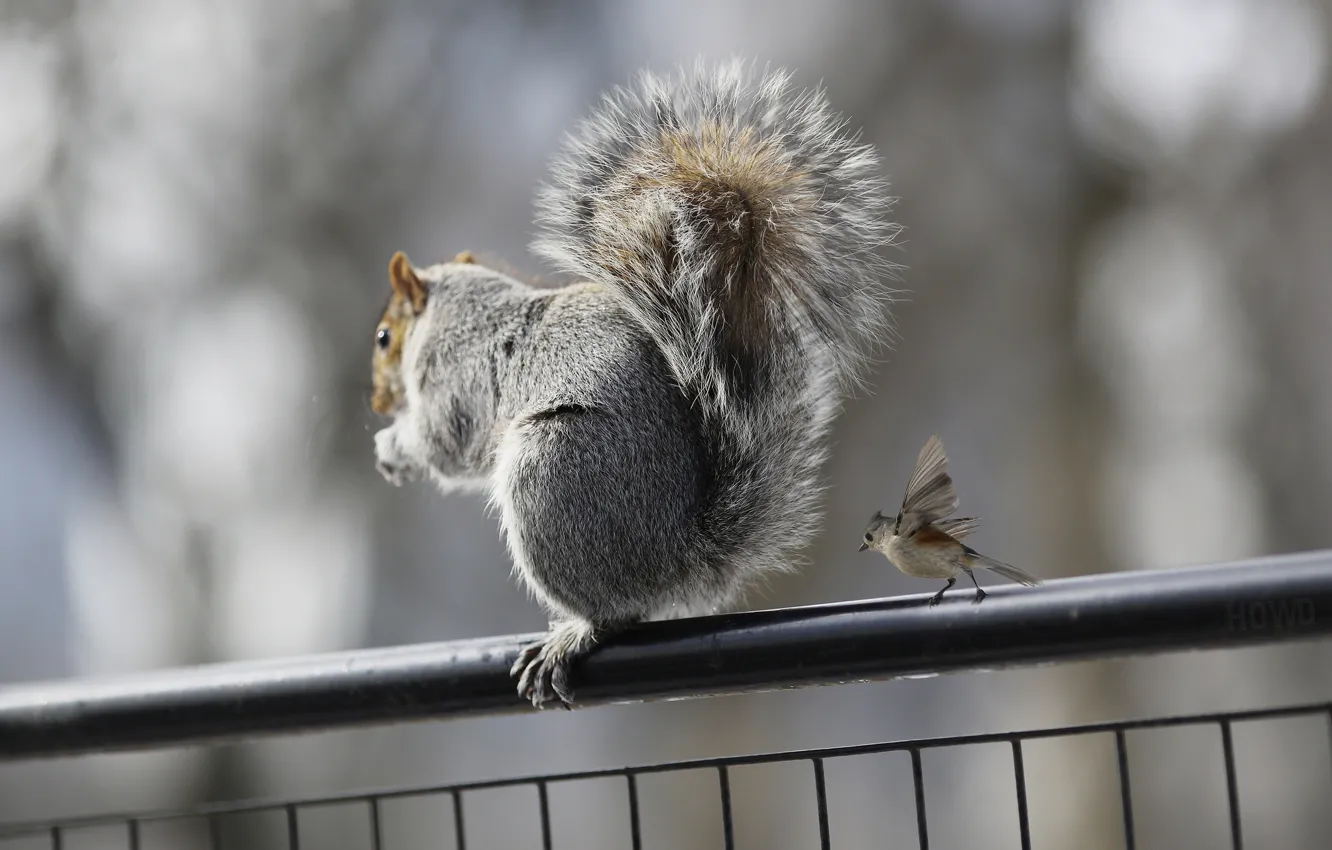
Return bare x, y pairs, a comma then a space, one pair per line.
938, 597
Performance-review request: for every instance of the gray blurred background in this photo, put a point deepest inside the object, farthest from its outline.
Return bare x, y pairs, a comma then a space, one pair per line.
1118, 233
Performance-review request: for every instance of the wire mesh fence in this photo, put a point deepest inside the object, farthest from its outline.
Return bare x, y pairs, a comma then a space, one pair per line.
1274, 600
297, 823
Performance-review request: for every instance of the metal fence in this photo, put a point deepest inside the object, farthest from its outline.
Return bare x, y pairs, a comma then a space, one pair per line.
1262, 601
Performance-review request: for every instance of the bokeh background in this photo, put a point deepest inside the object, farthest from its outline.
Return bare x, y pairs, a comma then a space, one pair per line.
1118, 231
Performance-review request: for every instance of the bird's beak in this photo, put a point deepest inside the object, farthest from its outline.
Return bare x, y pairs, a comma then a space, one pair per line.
863, 547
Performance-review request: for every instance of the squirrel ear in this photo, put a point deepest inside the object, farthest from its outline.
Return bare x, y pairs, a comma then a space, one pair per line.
405, 282
465, 257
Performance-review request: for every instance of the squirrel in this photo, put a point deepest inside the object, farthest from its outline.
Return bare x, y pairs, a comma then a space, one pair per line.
651, 435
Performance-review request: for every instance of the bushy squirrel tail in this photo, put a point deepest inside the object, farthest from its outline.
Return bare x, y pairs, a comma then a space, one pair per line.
740, 225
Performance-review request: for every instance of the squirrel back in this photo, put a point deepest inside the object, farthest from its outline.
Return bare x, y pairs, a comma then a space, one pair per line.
739, 225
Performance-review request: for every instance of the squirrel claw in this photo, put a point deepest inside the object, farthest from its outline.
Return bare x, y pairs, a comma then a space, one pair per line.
534, 682
536, 677
525, 658
543, 668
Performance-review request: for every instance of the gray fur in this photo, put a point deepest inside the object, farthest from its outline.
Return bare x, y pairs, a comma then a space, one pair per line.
652, 438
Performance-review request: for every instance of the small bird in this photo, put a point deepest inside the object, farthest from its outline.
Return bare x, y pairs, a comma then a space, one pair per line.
921, 542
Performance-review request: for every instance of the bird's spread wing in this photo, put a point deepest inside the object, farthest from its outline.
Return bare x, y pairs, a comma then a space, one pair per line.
930, 494
959, 527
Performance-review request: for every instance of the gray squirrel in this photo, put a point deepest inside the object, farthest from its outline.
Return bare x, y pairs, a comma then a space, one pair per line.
651, 436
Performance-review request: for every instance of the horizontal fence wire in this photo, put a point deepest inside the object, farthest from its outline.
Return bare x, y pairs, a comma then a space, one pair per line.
1242, 604
55, 833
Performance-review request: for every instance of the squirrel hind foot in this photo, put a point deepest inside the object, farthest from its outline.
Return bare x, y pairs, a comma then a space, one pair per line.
542, 669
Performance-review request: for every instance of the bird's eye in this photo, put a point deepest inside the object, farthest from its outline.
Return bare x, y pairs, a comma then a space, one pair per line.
869, 538
382, 338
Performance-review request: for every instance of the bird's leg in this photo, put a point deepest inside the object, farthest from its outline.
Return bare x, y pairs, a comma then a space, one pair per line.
938, 597
980, 594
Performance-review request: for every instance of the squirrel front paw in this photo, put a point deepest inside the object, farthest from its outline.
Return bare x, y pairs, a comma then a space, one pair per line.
390, 459
395, 475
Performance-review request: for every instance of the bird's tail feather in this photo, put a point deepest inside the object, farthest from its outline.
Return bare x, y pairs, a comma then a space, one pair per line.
1008, 571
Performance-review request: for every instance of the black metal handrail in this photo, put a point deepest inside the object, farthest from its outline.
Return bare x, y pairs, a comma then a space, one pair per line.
1259, 601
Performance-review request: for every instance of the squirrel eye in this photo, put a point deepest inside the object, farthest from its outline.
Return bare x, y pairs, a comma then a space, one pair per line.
382, 338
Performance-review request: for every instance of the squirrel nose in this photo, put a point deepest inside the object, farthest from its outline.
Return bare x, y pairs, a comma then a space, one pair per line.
863, 547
